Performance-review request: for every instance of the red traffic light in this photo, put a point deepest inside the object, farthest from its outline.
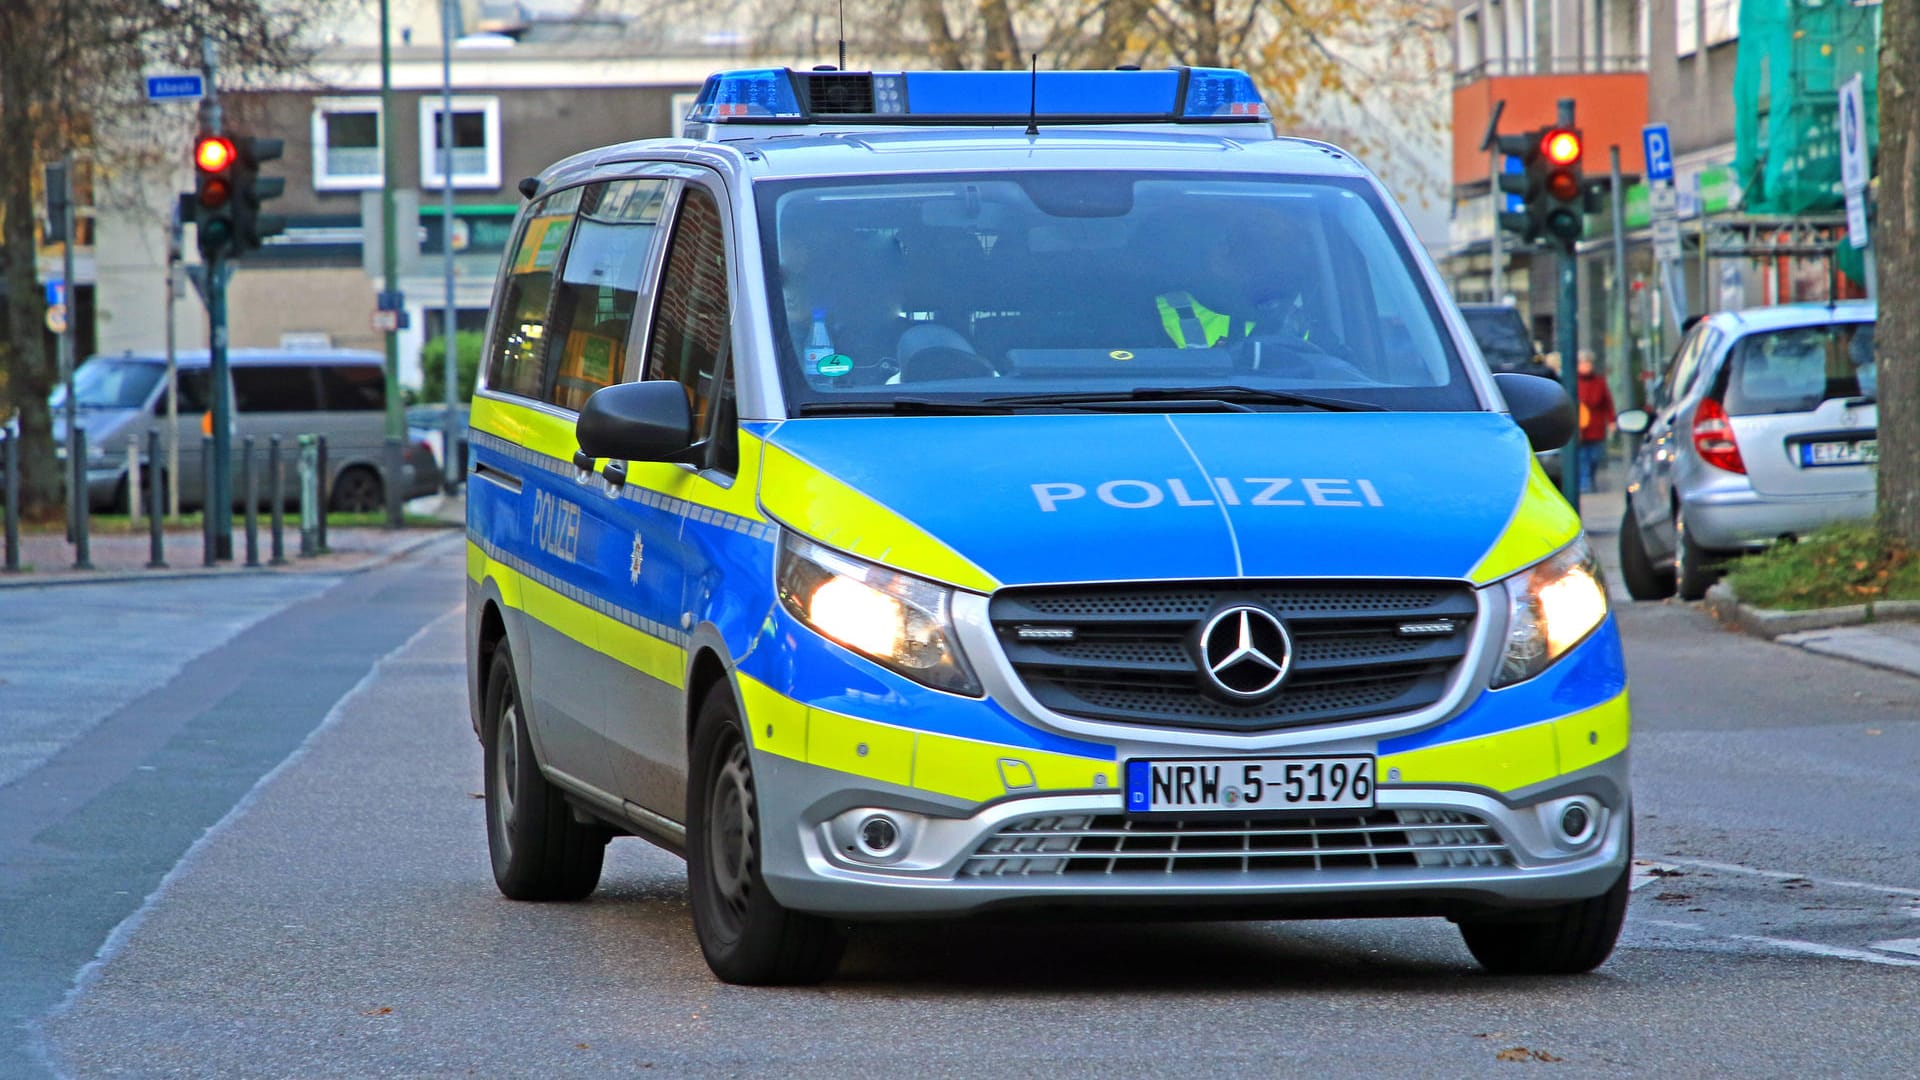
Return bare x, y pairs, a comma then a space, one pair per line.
212, 154
1560, 146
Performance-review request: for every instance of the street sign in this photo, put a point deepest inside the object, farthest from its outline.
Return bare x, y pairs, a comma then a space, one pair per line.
1857, 233
175, 87
1853, 136
57, 319
1659, 149
56, 292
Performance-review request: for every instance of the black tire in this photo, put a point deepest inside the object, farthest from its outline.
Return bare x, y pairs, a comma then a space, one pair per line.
1645, 581
746, 935
1694, 570
357, 491
539, 851
1565, 940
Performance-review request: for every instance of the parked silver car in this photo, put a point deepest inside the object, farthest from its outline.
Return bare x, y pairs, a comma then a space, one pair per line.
1764, 427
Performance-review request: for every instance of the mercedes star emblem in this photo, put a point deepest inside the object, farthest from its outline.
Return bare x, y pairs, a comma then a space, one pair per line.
1245, 652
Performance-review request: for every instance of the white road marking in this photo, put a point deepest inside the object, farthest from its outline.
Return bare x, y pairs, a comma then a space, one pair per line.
1645, 872
1783, 875
1836, 952
1907, 945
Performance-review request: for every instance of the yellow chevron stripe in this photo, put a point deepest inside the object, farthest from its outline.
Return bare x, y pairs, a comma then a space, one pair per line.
648, 654
832, 512
1510, 760
1542, 524
944, 764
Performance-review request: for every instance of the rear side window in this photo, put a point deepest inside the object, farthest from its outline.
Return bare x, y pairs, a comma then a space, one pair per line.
519, 348
276, 388
600, 286
353, 388
1794, 370
691, 323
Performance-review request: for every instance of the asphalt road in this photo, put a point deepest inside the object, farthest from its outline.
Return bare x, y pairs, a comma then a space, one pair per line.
338, 919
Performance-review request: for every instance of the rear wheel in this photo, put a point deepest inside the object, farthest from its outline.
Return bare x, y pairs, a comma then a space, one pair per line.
1694, 570
1645, 581
1564, 940
539, 851
745, 934
357, 491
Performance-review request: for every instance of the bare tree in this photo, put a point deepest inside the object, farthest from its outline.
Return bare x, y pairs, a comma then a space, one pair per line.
1897, 238
69, 72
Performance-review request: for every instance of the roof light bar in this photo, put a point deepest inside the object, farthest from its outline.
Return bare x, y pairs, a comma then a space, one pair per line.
1176, 95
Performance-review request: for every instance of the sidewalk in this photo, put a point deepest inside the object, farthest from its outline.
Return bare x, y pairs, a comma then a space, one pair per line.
46, 558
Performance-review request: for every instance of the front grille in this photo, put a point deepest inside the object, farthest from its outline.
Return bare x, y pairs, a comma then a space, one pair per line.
1127, 653
1059, 844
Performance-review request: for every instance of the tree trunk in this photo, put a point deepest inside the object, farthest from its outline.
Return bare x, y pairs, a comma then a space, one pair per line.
1118, 20
30, 375
1897, 243
1002, 50
942, 46
1206, 32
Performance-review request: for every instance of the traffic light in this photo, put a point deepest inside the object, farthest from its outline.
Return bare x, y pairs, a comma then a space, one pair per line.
213, 162
1522, 149
1563, 201
250, 189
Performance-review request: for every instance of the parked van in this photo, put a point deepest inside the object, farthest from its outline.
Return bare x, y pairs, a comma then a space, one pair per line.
338, 393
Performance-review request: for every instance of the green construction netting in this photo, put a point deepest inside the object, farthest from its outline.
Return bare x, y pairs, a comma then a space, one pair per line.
1794, 54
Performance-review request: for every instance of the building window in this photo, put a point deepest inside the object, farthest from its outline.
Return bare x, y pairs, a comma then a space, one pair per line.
1722, 21
346, 144
476, 142
1469, 49
1686, 27
677, 107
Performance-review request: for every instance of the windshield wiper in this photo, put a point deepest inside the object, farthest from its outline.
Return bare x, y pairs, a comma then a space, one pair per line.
1228, 395
901, 406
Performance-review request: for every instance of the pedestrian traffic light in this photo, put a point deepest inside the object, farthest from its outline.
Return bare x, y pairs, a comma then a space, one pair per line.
1563, 202
213, 160
1524, 150
250, 189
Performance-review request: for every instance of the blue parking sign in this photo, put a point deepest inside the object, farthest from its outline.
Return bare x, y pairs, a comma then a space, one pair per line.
1659, 147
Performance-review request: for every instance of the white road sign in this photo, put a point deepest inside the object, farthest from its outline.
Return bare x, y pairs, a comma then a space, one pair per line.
1853, 136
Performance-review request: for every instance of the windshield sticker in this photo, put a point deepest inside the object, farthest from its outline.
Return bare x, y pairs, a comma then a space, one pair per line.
1253, 491
834, 364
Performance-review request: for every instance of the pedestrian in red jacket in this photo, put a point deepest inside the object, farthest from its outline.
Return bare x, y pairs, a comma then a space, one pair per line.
1596, 418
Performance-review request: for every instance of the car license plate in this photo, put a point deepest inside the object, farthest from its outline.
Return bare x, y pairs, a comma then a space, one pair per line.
1840, 452
1242, 784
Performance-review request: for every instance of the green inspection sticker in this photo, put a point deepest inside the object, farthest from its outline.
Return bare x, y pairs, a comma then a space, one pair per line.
834, 364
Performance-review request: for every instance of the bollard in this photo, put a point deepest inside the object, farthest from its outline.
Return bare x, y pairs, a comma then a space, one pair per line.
323, 486
207, 556
250, 485
276, 481
156, 505
82, 505
10, 444
133, 481
309, 498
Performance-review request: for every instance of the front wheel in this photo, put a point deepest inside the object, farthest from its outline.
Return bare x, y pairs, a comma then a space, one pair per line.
745, 934
1645, 581
539, 851
358, 491
1564, 940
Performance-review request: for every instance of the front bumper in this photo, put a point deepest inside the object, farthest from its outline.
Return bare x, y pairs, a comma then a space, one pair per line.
941, 870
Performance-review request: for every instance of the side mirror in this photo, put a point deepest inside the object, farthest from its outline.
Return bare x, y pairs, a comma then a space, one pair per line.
1633, 421
1541, 408
637, 421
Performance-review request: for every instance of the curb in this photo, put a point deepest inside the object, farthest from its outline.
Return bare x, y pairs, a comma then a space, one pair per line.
354, 563
1771, 623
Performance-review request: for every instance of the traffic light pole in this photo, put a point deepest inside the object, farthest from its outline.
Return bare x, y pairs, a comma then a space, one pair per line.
390, 269
1567, 341
218, 504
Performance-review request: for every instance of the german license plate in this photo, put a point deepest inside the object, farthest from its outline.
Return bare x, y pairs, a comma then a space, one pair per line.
1840, 452
1242, 784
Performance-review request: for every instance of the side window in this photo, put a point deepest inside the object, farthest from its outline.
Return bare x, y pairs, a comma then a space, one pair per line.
276, 388
353, 388
519, 347
691, 324
193, 393
600, 286
1685, 359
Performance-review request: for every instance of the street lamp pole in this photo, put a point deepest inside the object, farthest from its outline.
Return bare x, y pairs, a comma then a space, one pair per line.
390, 268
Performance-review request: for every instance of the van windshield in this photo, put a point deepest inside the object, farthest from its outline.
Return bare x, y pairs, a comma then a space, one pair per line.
975, 287
101, 383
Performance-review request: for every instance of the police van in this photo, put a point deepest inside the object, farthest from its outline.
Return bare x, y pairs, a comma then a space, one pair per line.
936, 493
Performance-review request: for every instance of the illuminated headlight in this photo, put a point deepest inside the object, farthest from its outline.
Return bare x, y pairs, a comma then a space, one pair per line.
901, 622
1551, 607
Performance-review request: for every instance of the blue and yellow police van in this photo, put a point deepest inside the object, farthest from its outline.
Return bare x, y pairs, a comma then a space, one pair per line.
937, 493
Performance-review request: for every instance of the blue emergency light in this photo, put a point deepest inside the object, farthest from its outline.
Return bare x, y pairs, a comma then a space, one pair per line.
784, 96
